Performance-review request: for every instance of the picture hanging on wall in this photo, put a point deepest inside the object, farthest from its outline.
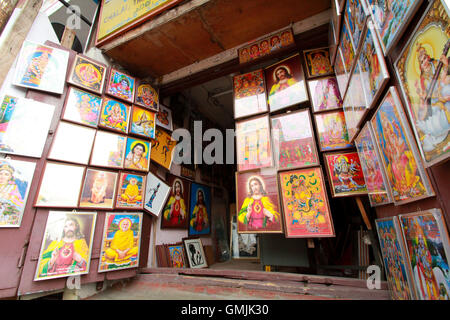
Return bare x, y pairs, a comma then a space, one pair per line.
121, 85
130, 193
195, 253
137, 154
156, 193
82, 107
175, 212
114, 115
99, 189
422, 70
249, 94
347, 49
342, 75
325, 95
162, 148
164, 118
143, 122
356, 14
318, 62
200, 210
147, 96
332, 131
88, 74
108, 150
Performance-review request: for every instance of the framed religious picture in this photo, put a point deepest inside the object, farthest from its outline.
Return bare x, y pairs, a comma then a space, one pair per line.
293, 140
332, 131
82, 107
130, 191
396, 266
243, 245
422, 70
428, 252
345, 174
60, 185
176, 255
143, 122
374, 71
114, 115
121, 241
41, 67
258, 206
24, 126
67, 245
195, 254
156, 193
147, 96
356, 14
137, 154
378, 188
253, 146
162, 148
164, 118
404, 170
342, 76
99, 189
72, 143
200, 210
249, 94
305, 204
108, 150
15, 181
88, 74
121, 85
390, 24
318, 62
347, 49
325, 95
285, 83
176, 210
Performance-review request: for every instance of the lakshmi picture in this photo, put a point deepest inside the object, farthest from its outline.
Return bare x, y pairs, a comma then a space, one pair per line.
121, 241
147, 96
332, 131
406, 176
121, 85
356, 15
162, 148
345, 174
143, 122
422, 69
285, 83
293, 140
115, 115
15, 181
82, 107
99, 189
398, 272
258, 206
200, 210
175, 212
305, 204
108, 150
67, 245
249, 94
428, 250
137, 154
130, 194
87, 74
318, 62
325, 94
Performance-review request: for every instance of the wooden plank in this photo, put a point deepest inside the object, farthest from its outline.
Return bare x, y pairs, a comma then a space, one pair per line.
363, 213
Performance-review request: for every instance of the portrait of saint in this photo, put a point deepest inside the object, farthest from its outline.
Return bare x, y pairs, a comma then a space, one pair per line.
200, 210
99, 189
121, 86
318, 62
137, 154
130, 193
175, 213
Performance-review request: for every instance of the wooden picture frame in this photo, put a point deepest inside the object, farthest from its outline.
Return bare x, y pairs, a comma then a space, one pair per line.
99, 189
325, 94
108, 150
199, 211
331, 130
130, 191
156, 194
164, 117
146, 96
249, 94
137, 155
177, 255
88, 74
318, 63
195, 253
175, 214
82, 107
121, 85
243, 245
142, 122
114, 115
347, 50
356, 14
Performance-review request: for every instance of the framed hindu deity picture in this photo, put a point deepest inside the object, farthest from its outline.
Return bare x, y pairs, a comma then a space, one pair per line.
285, 83
345, 174
258, 206
293, 140
41, 67
396, 265
82, 107
121, 85
176, 255
325, 94
332, 131
378, 189
121, 241
19, 132
147, 96
114, 115
72, 143
243, 245
143, 122
67, 245
253, 146
318, 62
356, 14
15, 181
108, 150
162, 148
60, 185
176, 210
195, 253
347, 49
164, 118
390, 24
374, 72
99, 189
88, 74
200, 210
130, 191
249, 94
305, 204
137, 154
428, 252
422, 70
342, 76
156, 193
399, 154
